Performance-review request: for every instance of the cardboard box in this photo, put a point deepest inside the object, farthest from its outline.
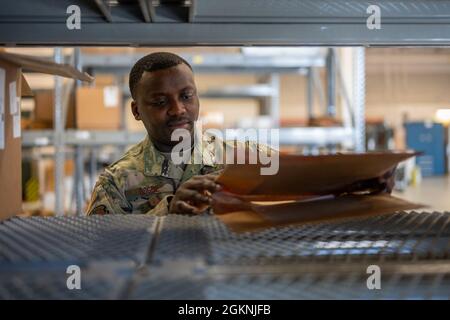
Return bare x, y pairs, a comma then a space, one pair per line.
10, 144
104, 80
44, 102
43, 105
98, 108
12, 87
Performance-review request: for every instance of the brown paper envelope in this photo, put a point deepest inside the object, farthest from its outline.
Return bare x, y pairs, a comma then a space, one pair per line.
308, 175
301, 212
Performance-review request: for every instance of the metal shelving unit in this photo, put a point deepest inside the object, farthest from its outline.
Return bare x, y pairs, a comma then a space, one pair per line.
215, 62
197, 257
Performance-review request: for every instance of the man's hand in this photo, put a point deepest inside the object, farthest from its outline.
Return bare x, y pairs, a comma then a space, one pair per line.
382, 184
387, 181
194, 196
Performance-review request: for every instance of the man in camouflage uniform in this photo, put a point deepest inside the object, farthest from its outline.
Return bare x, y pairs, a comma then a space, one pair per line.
145, 180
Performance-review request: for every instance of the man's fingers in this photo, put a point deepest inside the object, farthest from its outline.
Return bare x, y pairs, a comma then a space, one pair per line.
388, 174
184, 207
202, 184
204, 177
212, 176
387, 180
179, 206
192, 195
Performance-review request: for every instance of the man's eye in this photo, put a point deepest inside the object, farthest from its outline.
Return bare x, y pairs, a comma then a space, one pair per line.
187, 96
158, 103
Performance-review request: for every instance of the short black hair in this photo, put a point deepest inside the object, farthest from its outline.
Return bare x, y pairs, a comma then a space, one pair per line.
152, 62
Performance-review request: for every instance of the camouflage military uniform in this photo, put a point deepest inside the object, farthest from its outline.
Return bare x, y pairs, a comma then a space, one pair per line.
144, 180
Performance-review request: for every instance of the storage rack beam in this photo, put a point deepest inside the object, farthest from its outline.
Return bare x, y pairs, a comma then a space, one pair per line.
205, 63
232, 22
160, 35
35, 138
289, 136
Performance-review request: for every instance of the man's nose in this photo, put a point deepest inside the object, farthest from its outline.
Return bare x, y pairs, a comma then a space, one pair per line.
177, 108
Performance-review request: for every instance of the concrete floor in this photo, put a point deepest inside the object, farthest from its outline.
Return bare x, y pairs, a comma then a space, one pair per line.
432, 191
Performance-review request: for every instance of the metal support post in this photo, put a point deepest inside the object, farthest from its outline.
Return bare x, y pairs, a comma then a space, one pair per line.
359, 88
331, 83
58, 132
310, 93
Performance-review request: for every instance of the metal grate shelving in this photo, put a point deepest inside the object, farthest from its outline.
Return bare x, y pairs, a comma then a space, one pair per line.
402, 236
305, 286
39, 240
197, 257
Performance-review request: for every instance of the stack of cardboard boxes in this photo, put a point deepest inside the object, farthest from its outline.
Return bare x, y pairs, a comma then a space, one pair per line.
12, 87
99, 107
96, 107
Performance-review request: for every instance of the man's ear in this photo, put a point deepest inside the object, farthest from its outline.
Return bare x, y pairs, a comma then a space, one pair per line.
134, 109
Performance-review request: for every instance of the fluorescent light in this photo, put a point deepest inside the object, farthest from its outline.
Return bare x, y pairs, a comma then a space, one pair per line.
284, 51
443, 115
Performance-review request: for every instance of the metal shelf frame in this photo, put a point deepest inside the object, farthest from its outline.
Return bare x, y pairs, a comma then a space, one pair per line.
237, 23
321, 136
213, 62
232, 22
88, 138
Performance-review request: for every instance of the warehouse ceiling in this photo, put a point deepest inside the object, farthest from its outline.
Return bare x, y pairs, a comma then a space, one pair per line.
220, 22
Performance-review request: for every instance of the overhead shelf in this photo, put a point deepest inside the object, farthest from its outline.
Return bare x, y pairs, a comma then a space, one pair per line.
226, 23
